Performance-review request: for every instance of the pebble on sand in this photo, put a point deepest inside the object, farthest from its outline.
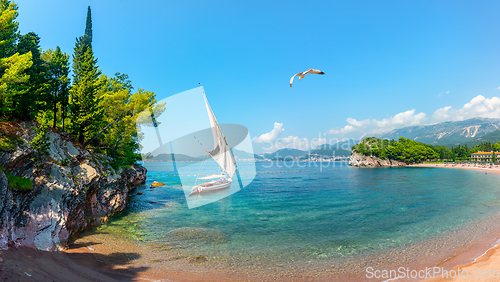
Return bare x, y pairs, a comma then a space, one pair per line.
198, 259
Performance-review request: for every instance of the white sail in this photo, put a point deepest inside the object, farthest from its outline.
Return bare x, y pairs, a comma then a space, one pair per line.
221, 152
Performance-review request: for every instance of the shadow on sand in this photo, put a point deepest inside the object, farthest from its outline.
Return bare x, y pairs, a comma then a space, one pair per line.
27, 264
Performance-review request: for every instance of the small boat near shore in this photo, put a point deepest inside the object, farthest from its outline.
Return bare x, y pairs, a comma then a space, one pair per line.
222, 155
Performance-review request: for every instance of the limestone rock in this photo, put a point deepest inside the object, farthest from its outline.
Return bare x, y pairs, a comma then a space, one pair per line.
72, 190
367, 161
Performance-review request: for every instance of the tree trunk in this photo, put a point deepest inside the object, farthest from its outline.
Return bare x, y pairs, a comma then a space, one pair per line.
55, 116
81, 134
102, 130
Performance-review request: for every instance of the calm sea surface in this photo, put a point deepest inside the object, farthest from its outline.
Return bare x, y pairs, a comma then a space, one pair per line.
336, 221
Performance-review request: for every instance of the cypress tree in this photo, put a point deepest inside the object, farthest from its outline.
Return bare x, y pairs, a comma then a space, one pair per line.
88, 28
86, 115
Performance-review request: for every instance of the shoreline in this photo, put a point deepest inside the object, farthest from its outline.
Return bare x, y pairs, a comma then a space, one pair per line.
484, 260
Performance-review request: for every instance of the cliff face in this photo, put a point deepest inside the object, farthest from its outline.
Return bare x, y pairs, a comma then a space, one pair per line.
365, 161
72, 190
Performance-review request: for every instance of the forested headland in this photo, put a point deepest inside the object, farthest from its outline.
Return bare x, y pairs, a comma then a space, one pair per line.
67, 92
410, 151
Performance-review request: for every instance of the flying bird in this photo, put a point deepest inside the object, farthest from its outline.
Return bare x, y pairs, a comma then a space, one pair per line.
302, 74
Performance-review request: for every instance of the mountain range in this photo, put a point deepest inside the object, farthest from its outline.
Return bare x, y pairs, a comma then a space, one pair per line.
340, 149
448, 133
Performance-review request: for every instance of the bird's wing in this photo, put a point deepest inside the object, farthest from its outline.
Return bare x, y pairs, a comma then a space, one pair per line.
314, 71
291, 79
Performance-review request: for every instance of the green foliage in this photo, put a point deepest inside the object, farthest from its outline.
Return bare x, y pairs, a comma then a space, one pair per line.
88, 27
101, 112
41, 141
12, 64
123, 107
64, 162
86, 115
404, 150
9, 143
18, 184
58, 71
32, 95
8, 28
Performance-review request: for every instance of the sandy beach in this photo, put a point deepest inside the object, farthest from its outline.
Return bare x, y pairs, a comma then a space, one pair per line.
490, 260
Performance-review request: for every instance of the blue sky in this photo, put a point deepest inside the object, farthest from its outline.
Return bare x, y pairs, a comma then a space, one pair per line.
387, 64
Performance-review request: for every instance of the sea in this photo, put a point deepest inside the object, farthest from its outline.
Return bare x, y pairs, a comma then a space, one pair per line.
305, 221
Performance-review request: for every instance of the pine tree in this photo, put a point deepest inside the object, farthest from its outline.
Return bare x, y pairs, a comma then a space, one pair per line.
12, 65
8, 28
88, 29
58, 69
37, 89
86, 115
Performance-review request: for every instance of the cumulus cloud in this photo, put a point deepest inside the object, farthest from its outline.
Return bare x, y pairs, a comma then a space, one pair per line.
479, 106
274, 142
271, 136
378, 127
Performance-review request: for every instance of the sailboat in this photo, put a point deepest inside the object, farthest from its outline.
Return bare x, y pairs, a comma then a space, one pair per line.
221, 154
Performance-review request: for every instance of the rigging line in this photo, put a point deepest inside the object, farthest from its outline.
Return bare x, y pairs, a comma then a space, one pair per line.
206, 151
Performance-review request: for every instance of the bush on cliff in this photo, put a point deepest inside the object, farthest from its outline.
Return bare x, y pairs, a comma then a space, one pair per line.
18, 184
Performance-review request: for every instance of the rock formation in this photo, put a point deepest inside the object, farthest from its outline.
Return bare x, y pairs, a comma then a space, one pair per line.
368, 161
72, 190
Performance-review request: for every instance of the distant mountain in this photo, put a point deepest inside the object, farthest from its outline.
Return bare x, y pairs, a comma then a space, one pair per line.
447, 133
178, 158
245, 155
492, 137
337, 150
286, 153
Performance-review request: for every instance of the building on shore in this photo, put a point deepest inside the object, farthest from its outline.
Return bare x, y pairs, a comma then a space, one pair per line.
484, 156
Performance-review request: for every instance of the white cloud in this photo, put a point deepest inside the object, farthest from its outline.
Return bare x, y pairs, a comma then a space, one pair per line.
498, 88
274, 142
270, 136
317, 142
479, 106
378, 127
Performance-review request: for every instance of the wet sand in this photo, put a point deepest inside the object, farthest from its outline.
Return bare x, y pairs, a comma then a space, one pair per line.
483, 268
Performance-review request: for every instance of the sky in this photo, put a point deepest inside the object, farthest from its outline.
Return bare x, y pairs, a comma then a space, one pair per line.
387, 64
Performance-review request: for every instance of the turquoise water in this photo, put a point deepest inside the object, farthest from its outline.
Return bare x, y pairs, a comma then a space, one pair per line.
340, 216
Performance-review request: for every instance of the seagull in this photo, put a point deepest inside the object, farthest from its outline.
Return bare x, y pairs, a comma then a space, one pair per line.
302, 74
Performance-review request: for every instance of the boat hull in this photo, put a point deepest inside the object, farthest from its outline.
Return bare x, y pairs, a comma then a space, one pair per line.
212, 186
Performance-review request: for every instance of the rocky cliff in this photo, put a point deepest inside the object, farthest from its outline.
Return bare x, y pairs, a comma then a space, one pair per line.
367, 161
72, 190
